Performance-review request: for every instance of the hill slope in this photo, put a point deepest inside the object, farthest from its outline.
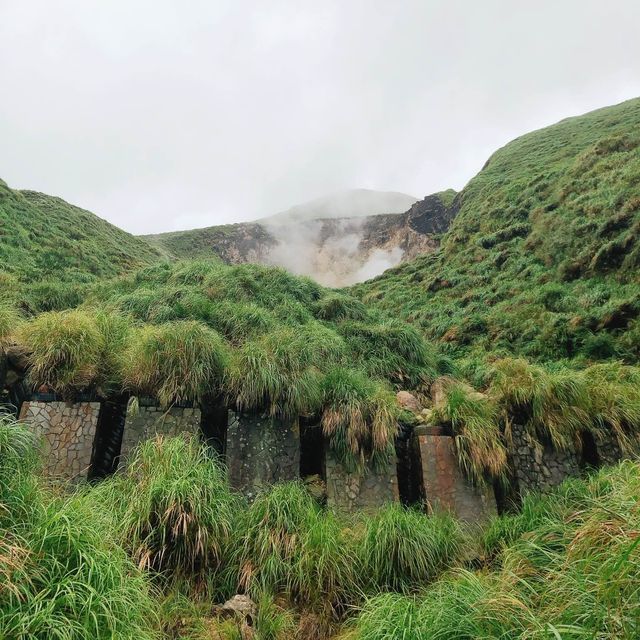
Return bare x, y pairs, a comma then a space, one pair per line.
339, 246
542, 258
45, 237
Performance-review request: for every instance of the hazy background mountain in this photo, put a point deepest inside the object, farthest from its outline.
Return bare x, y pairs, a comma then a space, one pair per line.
353, 203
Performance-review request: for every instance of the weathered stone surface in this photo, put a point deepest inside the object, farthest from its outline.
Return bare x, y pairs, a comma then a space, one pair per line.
261, 450
66, 432
445, 486
240, 605
367, 490
538, 467
408, 401
152, 420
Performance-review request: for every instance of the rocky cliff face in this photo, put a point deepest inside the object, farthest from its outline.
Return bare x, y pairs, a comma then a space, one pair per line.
334, 251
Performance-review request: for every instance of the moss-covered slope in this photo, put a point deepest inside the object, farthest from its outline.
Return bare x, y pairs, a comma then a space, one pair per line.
46, 237
542, 258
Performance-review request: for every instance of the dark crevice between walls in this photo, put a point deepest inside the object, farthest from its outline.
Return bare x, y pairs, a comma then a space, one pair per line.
589, 456
409, 467
214, 421
108, 439
312, 450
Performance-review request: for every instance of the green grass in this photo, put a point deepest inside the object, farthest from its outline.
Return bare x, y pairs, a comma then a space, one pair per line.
542, 259
258, 337
65, 351
46, 238
554, 402
402, 550
176, 362
567, 566
178, 518
359, 417
144, 555
62, 574
290, 546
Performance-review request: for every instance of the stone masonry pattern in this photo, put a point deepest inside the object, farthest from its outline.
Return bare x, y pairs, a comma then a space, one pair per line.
66, 432
150, 421
261, 450
367, 490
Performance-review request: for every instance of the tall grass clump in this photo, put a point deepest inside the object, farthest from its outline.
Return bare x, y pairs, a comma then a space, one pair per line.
335, 307
476, 423
281, 371
178, 517
463, 606
359, 416
292, 547
389, 616
403, 550
62, 575
18, 465
557, 403
176, 362
392, 350
65, 350
239, 321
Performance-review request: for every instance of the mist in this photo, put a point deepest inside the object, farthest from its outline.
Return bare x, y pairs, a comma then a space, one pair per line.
161, 115
330, 252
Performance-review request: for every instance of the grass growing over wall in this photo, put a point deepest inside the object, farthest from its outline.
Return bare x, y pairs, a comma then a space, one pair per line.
262, 339
555, 403
179, 517
177, 362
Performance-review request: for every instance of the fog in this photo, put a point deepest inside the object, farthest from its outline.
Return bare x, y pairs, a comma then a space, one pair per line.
333, 257
162, 115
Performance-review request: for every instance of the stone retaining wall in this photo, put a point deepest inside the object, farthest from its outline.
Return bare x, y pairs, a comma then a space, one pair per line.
150, 421
261, 450
539, 467
367, 490
444, 484
67, 432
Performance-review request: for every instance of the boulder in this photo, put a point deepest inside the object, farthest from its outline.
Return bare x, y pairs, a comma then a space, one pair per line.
408, 401
240, 606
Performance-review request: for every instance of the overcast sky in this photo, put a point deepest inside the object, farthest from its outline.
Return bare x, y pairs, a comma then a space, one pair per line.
160, 114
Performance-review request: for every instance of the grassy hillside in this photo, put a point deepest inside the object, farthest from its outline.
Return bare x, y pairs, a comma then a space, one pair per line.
542, 259
45, 237
226, 241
